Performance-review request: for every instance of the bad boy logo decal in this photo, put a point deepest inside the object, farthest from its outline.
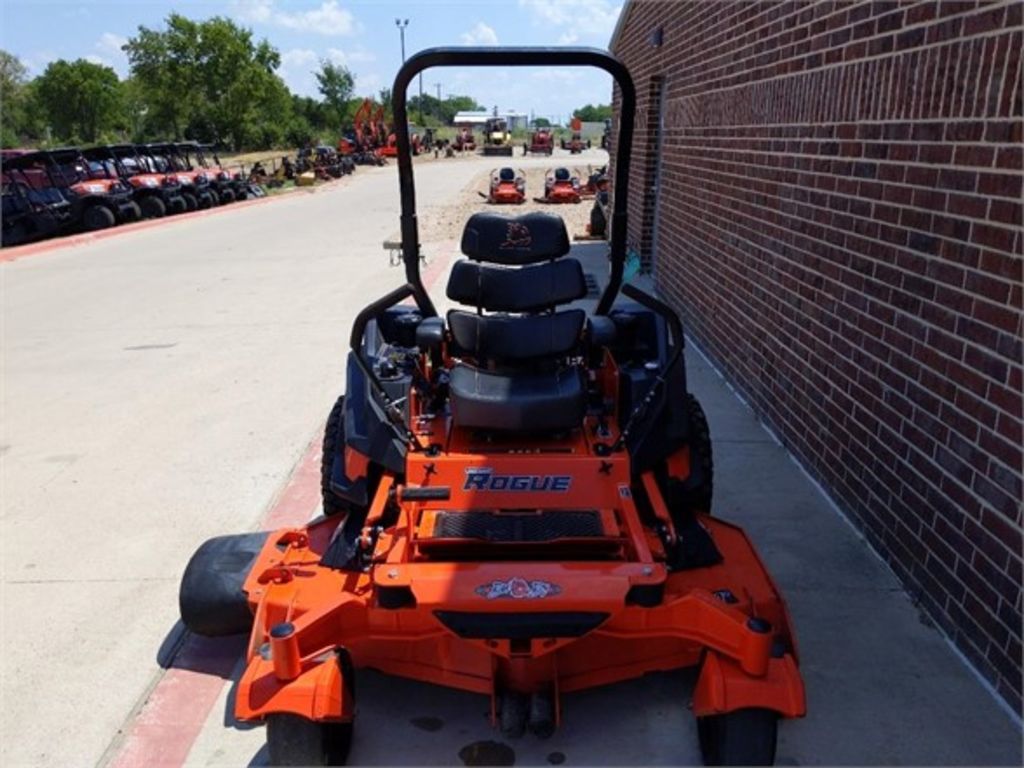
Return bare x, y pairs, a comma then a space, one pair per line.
517, 236
518, 588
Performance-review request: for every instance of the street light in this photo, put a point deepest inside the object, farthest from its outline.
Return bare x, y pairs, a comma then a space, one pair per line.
402, 24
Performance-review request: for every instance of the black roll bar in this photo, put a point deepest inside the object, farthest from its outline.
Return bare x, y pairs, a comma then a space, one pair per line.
513, 57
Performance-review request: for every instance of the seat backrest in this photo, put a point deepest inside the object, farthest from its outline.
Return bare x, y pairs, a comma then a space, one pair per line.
516, 338
507, 174
515, 240
561, 174
528, 289
532, 279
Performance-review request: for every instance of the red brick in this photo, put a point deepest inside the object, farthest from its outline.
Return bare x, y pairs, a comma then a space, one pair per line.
846, 244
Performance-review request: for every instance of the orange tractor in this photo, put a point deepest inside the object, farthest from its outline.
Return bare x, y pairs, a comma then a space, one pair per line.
464, 141
541, 143
517, 502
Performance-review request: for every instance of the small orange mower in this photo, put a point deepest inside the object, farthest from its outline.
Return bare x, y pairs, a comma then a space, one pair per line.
560, 187
506, 187
516, 498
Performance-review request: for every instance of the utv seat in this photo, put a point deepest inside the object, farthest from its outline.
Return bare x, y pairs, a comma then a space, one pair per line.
515, 372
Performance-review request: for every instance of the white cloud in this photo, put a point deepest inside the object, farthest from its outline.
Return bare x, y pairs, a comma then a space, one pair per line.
358, 56
594, 19
298, 57
327, 19
111, 44
37, 61
568, 38
109, 53
481, 34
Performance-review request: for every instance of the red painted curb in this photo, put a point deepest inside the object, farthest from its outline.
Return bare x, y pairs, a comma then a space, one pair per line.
173, 716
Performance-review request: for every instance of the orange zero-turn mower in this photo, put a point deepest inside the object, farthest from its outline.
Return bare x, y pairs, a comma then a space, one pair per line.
517, 502
506, 187
560, 186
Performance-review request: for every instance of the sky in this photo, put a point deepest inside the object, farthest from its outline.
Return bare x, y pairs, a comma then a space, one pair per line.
361, 34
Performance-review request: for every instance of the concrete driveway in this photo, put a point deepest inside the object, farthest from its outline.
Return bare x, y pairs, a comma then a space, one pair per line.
160, 386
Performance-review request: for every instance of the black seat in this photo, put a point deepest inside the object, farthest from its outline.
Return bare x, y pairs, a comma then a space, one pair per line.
507, 174
514, 374
562, 174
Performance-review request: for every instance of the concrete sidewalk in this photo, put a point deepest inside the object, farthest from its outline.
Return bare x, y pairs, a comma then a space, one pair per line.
883, 687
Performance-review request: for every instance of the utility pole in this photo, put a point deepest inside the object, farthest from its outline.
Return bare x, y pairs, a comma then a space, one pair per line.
438, 86
402, 24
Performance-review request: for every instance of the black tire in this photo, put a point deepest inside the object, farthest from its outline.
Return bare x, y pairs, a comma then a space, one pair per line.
227, 196
515, 710
210, 598
191, 201
215, 198
152, 207
742, 737
333, 447
177, 204
98, 217
699, 486
296, 740
133, 212
205, 200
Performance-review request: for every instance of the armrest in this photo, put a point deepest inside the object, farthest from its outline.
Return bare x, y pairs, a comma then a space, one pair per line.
601, 330
430, 334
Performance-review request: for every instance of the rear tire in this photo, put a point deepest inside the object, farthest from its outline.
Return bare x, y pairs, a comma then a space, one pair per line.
699, 486
177, 204
152, 207
191, 202
333, 447
741, 737
98, 217
296, 740
134, 212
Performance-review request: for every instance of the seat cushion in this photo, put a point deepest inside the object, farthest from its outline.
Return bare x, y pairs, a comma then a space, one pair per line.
526, 289
516, 338
518, 402
527, 239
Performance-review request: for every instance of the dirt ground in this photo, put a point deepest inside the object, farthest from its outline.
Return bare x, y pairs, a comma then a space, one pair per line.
446, 222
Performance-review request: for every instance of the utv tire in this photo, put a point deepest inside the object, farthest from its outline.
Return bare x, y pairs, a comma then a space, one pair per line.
700, 485
205, 200
177, 204
333, 504
741, 737
227, 196
134, 212
191, 201
215, 199
296, 740
152, 207
211, 599
98, 217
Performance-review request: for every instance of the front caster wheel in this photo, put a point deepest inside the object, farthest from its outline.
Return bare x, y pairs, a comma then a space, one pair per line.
741, 737
295, 740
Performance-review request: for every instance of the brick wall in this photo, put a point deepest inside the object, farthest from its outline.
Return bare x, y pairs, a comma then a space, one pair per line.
839, 222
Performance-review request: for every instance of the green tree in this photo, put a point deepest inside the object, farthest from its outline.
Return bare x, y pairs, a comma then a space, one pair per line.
592, 113
13, 98
336, 85
79, 99
210, 80
541, 122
